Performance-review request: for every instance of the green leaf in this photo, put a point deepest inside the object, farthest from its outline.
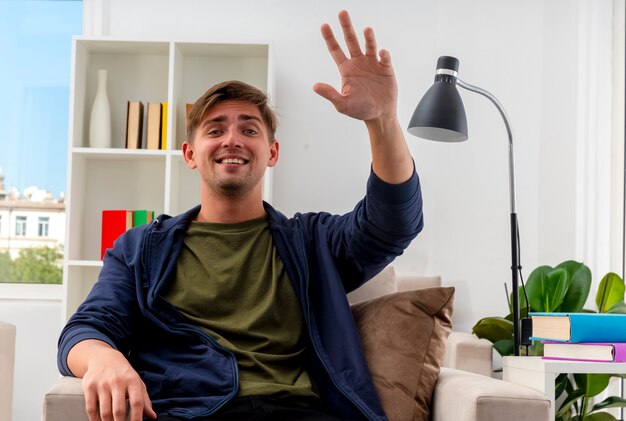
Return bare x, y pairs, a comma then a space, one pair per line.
570, 400
600, 416
560, 384
546, 288
610, 402
534, 287
579, 285
610, 292
592, 384
536, 349
493, 329
619, 308
504, 347
555, 288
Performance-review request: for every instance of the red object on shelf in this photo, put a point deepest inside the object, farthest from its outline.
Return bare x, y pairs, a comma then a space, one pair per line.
114, 224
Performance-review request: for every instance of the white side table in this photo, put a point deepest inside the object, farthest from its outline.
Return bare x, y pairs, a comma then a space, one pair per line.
540, 374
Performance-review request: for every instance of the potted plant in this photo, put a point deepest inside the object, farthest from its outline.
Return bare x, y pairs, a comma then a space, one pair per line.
564, 288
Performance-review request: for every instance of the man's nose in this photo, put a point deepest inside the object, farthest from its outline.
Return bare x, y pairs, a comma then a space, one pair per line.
232, 138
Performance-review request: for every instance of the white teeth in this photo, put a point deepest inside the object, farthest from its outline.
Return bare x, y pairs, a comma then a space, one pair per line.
233, 161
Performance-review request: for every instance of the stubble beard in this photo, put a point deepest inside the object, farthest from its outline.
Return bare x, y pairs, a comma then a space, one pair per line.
232, 188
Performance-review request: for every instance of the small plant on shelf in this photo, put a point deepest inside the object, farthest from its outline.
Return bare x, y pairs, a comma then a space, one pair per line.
564, 288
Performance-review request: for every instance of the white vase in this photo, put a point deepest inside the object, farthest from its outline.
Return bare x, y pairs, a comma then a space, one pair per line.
100, 123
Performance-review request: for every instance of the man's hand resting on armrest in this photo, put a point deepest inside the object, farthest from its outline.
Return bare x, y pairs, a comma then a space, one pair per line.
108, 381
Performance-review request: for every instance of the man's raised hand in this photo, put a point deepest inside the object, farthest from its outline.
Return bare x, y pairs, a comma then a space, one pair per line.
368, 84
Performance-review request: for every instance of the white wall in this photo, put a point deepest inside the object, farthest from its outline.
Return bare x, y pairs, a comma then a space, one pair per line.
533, 55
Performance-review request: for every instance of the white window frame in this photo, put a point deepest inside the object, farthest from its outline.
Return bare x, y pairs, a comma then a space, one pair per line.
43, 226
21, 224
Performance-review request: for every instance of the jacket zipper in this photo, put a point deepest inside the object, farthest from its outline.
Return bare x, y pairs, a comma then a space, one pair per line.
363, 410
193, 329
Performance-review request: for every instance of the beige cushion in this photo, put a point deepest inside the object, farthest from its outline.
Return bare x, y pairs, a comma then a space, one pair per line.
404, 337
464, 396
410, 282
382, 284
465, 351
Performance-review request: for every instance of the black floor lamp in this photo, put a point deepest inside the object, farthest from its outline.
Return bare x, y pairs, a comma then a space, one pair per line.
440, 116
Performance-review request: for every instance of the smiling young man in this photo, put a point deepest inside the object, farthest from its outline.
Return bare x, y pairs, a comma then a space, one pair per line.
231, 144
232, 310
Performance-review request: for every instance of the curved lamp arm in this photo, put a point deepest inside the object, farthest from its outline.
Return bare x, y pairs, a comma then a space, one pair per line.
507, 123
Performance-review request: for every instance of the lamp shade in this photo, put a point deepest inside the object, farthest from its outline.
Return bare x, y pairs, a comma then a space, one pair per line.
440, 115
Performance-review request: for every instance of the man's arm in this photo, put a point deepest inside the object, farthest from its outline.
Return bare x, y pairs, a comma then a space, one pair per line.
369, 92
90, 343
108, 381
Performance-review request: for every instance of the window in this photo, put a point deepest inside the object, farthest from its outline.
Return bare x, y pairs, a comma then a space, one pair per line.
36, 46
42, 226
20, 226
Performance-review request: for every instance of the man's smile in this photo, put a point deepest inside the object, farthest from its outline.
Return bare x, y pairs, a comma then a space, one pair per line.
236, 161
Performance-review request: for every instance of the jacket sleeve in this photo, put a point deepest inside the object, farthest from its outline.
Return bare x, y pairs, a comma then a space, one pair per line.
379, 229
111, 308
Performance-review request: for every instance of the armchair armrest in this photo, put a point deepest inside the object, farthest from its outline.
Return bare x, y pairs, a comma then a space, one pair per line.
7, 369
464, 351
65, 401
463, 396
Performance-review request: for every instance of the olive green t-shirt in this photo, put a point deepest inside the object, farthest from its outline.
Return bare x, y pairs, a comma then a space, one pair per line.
231, 282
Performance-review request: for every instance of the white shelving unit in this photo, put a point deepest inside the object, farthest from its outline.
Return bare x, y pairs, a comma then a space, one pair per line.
541, 374
119, 178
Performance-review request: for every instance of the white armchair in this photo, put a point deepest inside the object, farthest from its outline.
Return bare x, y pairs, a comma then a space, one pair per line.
464, 391
7, 363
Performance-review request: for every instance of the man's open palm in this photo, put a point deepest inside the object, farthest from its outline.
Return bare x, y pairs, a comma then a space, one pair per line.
368, 83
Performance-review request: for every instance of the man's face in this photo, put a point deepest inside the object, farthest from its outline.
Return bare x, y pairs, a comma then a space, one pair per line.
231, 149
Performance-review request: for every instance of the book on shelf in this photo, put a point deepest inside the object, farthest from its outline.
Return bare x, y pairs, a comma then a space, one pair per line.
153, 123
134, 124
142, 216
164, 125
578, 327
188, 108
115, 222
585, 351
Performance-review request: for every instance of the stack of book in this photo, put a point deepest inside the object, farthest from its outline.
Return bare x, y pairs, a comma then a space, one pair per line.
117, 222
156, 125
598, 337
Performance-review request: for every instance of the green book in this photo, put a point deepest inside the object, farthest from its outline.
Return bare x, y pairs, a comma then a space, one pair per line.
141, 217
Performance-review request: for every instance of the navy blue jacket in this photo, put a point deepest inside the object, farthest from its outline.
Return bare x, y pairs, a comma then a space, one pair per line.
186, 372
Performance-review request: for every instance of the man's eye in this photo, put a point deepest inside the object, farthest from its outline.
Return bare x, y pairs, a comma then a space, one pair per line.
250, 131
214, 132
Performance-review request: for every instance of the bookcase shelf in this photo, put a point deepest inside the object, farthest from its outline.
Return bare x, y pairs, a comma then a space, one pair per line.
176, 72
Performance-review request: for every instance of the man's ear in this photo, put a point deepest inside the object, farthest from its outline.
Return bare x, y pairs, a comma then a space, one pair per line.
189, 155
274, 149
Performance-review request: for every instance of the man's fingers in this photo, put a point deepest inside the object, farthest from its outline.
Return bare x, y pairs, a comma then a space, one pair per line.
385, 58
147, 408
91, 404
352, 42
118, 405
329, 93
105, 406
332, 44
370, 42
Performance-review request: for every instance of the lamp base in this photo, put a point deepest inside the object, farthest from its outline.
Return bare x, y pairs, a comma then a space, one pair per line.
527, 331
